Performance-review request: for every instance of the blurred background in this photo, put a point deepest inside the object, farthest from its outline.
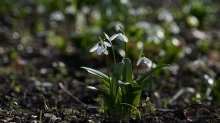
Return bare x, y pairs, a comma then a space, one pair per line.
47, 41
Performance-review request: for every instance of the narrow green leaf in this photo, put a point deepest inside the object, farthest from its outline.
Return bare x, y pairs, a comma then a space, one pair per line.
109, 103
121, 84
146, 81
140, 80
136, 93
122, 91
99, 74
105, 88
127, 72
134, 108
127, 94
119, 95
116, 76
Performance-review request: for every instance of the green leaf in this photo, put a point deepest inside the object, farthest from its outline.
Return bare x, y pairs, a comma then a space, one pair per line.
99, 74
109, 103
134, 108
127, 72
140, 80
105, 88
136, 93
146, 81
121, 84
106, 97
116, 76
127, 94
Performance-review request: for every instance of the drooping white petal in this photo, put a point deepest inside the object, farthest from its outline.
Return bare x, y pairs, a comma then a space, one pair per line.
122, 37
107, 44
99, 50
140, 60
104, 51
113, 37
147, 62
101, 47
92, 88
94, 48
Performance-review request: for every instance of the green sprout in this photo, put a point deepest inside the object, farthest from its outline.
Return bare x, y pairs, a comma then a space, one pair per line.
121, 94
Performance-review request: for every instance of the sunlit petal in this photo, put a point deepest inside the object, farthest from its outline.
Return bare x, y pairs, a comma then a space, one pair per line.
104, 51
140, 60
122, 37
147, 62
107, 44
94, 48
99, 50
113, 37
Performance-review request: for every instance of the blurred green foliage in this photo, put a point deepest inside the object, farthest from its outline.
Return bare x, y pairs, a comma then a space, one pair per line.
172, 31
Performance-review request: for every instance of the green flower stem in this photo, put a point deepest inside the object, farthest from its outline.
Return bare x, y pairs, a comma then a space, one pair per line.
113, 52
107, 66
137, 73
150, 89
125, 50
122, 31
141, 54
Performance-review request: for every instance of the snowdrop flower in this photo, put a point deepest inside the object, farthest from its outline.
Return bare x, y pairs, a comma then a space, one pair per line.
120, 36
101, 47
146, 61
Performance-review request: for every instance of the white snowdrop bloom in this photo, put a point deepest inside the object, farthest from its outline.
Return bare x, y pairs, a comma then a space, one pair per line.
146, 61
101, 47
120, 36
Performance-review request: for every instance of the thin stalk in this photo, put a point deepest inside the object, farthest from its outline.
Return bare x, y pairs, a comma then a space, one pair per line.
137, 73
150, 89
107, 67
125, 50
139, 58
40, 118
113, 53
122, 31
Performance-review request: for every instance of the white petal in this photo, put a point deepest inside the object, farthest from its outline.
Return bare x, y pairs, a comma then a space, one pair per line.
107, 37
113, 37
107, 44
149, 64
92, 88
104, 51
146, 60
99, 50
140, 60
94, 48
122, 37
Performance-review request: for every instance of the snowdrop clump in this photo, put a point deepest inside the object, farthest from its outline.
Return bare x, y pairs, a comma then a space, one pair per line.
121, 94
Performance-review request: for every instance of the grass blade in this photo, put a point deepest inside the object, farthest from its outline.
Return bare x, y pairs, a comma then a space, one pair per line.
99, 74
105, 88
140, 80
146, 81
127, 72
116, 76
134, 108
136, 93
